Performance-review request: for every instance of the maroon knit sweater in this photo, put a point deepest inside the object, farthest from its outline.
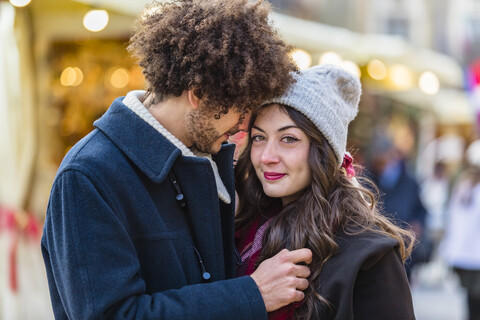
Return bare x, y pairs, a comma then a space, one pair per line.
249, 244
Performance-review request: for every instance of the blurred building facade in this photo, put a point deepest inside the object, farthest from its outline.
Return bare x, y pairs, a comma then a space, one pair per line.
448, 26
441, 36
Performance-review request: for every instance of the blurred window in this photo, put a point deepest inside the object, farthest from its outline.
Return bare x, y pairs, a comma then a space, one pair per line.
398, 26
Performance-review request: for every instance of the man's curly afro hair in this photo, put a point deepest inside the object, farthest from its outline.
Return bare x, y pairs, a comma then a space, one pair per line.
225, 50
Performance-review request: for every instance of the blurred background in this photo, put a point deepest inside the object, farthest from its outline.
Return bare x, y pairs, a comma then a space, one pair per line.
62, 63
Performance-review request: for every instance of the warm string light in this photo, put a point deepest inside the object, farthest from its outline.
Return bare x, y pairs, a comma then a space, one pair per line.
351, 67
95, 20
71, 77
302, 58
330, 57
376, 69
429, 83
117, 77
19, 3
401, 77
335, 59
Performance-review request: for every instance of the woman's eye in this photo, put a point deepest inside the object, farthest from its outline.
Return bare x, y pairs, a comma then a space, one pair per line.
257, 138
289, 139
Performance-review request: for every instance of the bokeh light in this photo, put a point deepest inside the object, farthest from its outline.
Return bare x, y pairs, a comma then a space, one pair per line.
95, 20
401, 77
352, 67
20, 3
71, 77
429, 83
376, 69
302, 58
330, 57
119, 77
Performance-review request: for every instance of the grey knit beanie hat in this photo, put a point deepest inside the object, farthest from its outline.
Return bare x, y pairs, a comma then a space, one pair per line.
329, 97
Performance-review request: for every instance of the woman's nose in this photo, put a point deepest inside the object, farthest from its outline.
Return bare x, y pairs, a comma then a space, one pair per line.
269, 153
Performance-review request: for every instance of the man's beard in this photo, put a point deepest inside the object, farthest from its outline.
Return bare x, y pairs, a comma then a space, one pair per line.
202, 132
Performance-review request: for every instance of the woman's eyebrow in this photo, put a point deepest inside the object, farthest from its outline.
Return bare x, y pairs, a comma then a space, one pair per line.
280, 129
255, 127
288, 127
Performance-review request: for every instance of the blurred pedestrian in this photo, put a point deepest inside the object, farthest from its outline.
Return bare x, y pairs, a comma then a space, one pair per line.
435, 192
461, 244
400, 195
140, 221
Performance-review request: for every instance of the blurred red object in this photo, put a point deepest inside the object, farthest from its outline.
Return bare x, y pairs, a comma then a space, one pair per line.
17, 224
239, 139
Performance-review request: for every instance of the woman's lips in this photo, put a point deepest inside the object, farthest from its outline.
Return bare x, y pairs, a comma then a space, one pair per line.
273, 175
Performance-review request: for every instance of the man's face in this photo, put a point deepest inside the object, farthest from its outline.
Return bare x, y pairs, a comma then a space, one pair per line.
207, 133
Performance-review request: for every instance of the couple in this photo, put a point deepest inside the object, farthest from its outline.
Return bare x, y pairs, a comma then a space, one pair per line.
140, 222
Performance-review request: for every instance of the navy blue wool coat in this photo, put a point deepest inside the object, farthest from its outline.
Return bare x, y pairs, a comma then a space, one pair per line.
116, 242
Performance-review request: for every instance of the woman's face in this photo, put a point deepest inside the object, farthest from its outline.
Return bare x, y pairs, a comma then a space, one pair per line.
280, 154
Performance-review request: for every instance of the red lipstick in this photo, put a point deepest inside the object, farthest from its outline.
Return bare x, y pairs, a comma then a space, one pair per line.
273, 175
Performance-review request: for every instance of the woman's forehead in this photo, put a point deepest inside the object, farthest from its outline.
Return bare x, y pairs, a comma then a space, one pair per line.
272, 114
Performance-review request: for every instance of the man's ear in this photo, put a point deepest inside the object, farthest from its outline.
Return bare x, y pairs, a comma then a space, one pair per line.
193, 99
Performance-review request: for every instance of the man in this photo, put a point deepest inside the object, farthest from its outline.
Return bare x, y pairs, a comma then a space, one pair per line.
140, 219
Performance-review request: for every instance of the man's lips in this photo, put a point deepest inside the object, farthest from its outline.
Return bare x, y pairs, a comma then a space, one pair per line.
273, 175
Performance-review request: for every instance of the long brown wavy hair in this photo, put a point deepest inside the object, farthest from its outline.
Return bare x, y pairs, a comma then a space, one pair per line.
332, 202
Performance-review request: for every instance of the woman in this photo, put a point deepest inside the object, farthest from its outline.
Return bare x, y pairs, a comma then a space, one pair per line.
296, 189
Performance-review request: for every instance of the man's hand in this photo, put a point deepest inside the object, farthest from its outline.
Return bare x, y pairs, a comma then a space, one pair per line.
280, 280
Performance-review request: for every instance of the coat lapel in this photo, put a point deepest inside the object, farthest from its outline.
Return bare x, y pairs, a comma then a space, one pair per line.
151, 152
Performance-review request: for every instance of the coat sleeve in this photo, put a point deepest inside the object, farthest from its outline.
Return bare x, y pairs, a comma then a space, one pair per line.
94, 272
382, 291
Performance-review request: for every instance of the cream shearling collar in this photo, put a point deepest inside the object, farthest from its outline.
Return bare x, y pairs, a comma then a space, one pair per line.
132, 101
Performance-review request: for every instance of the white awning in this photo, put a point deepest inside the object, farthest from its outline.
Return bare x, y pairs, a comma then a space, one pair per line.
317, 38
450, 106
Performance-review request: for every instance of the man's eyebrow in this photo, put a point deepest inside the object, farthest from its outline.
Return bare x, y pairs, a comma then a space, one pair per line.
241, 118
280, 129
